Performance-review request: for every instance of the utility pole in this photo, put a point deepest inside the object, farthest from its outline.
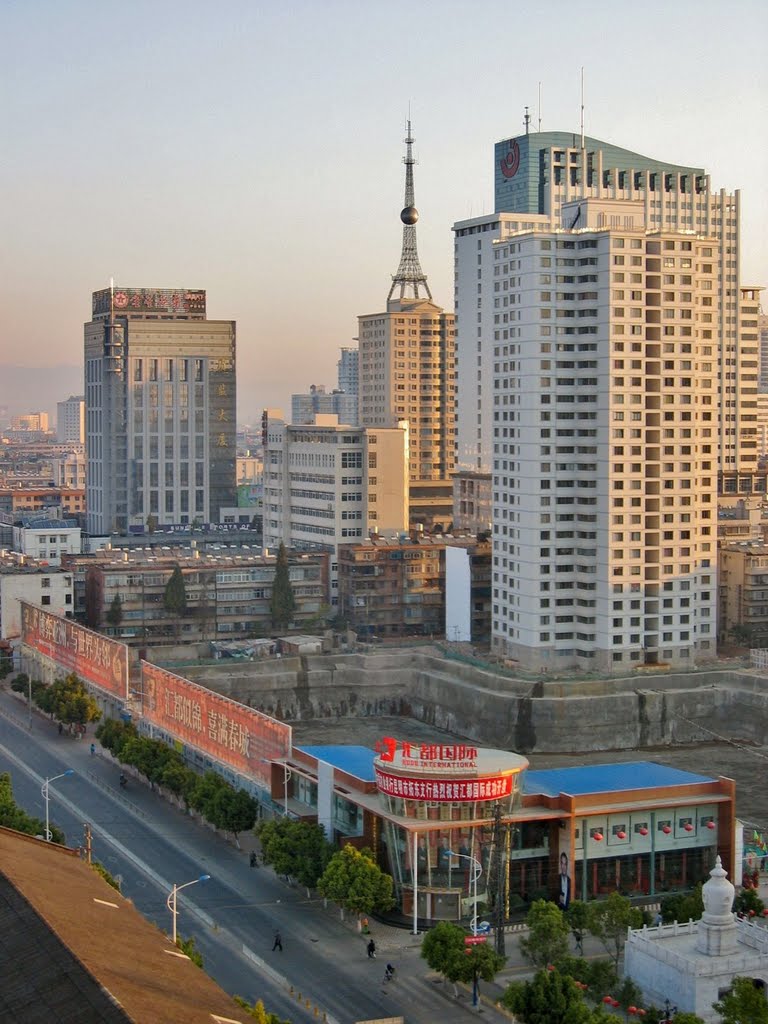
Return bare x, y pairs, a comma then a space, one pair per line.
498, 835
88, 848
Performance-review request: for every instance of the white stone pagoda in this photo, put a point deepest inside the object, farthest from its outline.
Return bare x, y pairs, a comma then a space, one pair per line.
693, 965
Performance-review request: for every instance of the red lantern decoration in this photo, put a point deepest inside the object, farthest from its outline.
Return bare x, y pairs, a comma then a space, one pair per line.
621, 835
711, 826
614, 1003
632, 1010
608, 1000
666, 830
597, 836
640, 1012
751, 913
643, 831
688, 827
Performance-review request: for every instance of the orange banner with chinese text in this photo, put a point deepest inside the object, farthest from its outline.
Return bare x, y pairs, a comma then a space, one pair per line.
241, 737
96, 659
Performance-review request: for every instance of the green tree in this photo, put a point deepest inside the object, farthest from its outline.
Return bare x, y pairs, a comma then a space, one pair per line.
13, 816
115, 612
282, 604
443, 947
481, 963
549, 998
748, 903
609, 920
188, 947
744, 1004
232, 810
175, 595
547, 939
295, 848
680, 906
108, 878
688, 1018
354, 880
68, 701
6, 662
114, 734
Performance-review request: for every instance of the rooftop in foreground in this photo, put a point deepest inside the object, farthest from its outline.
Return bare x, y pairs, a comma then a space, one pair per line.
80, 951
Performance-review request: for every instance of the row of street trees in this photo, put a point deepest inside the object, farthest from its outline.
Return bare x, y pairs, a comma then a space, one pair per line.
226, 808
349, 877
65, 700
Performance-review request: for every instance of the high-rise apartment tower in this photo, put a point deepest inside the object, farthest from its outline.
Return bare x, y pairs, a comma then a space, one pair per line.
599, 357
160, 410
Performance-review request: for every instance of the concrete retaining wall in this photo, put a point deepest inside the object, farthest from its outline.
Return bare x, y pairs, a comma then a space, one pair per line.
499, 711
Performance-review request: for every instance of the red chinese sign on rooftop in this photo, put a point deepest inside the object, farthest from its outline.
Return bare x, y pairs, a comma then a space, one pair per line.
96, 659
427, 755
241, 737
148, 300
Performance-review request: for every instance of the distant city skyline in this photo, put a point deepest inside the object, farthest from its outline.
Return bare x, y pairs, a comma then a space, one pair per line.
255, 151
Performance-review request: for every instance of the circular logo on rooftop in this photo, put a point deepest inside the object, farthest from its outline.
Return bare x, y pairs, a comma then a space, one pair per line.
510, 163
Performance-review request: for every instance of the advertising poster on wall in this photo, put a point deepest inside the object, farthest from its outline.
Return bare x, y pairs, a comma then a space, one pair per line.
234, 734
97, 660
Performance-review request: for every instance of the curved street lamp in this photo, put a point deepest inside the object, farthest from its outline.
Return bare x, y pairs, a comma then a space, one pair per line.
171, 901
44, 790
478, 870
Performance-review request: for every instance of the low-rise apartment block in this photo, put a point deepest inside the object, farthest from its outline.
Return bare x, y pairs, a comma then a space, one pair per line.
227, 592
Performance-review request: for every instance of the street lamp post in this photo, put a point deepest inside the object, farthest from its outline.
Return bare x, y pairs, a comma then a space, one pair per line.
44, 790
171, 901
478, 870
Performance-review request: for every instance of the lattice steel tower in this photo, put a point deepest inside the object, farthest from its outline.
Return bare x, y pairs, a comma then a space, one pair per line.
409, 274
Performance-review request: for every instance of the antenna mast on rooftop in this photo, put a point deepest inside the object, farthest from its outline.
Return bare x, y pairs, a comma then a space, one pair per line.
409, 274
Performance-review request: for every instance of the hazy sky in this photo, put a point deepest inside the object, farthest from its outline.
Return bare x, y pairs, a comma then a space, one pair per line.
254, 148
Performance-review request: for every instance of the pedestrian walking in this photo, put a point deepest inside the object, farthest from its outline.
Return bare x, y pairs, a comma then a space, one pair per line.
389, 972
278, 943
93, 749
253, 860
371, 947
61, 728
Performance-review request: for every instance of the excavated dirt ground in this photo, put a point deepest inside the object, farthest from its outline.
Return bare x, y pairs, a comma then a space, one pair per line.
746, 765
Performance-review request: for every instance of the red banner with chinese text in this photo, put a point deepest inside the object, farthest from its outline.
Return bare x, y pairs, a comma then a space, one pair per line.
489, 788
96, 659
239, 736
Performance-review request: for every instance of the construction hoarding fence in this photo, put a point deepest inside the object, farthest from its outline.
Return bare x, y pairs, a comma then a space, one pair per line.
98, 660
234, 734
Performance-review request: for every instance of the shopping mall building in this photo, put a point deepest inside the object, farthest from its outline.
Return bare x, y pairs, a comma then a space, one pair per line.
450, 821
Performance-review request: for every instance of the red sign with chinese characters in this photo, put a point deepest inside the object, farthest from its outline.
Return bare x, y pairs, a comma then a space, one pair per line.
148, 300
96, 659
239, 736
474, 940
490, 788
427, 755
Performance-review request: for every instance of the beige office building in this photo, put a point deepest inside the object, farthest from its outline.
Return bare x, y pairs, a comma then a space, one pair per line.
328, 483
160, 404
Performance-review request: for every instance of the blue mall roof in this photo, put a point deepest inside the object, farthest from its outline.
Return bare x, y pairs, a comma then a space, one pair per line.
607, 778
356, 761
579, 781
